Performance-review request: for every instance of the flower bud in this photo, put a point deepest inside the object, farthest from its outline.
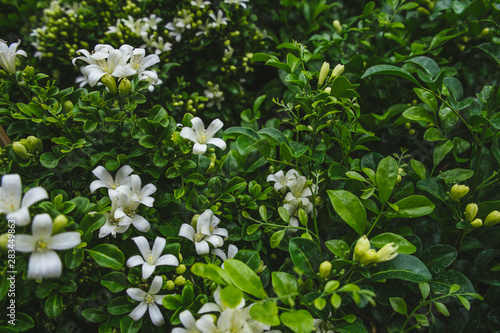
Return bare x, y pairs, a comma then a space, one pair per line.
492, 218
484, 32
194, 220
180, 281
59, 224
170, 285
125, 87
423, 11
337, 71
470, 212
20, 150
180, 269
324, 269
408, 125
4, 240
323, 73
328, 90
362, 245
476, 223
32, 144
368, 257
29, 71
68, 106
387, 252
411, 132
337, 26
110, 83
398, 179
458, 192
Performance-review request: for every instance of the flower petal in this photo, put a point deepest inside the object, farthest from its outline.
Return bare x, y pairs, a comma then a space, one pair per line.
97, 184
42, 226
64, 241
156, 285
199, 149
12, 188
220, 232
122, 175
25, 243
198, 126
214, 127
187, 319
139, 311
217, 142
187, 231
155, 315
209, 307
231, 251
147, 270
202, 247
219, 253
143, 245
135, 261
103, 174
167, 259
158, 247
44, 265
136, 294
216, 241
189, 133
34, 195
140, 223
21, 217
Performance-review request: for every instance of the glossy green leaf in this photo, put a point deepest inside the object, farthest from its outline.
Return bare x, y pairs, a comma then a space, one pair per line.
231, 296
418, 113
265, 312
94, 315
251, 258
108, 255
399, 305
349, 208
115, 282
276, 238
441, 150
212, 272
338, 247
299, 321
412, 207
391, 70
244, 278
120, 305
305, 255
438, 257
404, 267
386, 177
428, 98
285, 286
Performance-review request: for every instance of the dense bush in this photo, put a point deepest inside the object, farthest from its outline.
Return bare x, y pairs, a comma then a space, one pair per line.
250, 166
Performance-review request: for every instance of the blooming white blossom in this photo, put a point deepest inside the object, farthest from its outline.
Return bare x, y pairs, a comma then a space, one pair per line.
142, 195
293, 207
214, 95
139, 62
320, 326
151, 257
44, 261
148, 302
160, 45
188, 321
219, 20
126, 211
206, 232
237, 2
8, 56
112, 225
281, 180
300, 190
106, 180
11, 203
200, 3
202, 137
231, 252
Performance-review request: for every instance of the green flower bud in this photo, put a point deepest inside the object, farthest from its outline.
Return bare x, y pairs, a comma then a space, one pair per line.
387, 252
261, 268
368, 257
323, 73
476, 223
125, 87
180, 281
484, 32
194, 220
328, 90
337, 71
470, 212
337, 26
20, 150
408, 126
492, 218
423, 11
362, 246
110, 83
29, 71
411, 132
67, 106
398, 179
4, 240
59, 224
32, 144
324, 269
180, 269
458, 192
170, 285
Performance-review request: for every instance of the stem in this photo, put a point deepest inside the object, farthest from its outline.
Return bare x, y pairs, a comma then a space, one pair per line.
374, 223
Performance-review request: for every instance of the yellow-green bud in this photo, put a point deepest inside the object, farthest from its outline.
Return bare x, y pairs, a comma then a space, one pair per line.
323, 73
362, 246
387, 252
20, 150
328, 90
125, 86
398, 179
368, 257
261, 268
68, 106
470, 212
423, 11
337, 71
492, 218
110, 83
324, 269
29, 71
458, 192
337, 26
59, 224
180, 281
411, 132
33, 144
194, 220
408, 126
180, 269
476, 223
170, 285
484, 32
4, 240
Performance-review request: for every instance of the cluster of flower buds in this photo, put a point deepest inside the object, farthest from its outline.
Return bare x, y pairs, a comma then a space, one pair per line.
325, 69
365, 256
27, 148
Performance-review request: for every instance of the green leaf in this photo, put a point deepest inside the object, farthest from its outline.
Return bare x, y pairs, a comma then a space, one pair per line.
419, 168
293, 62
244, 278
427, 64
404, 267
251, 258
425, 289
418, 113
438, 257
273, 133
441, 150
108, 255
336, 301
299, 321
276, 238
491, 49
120, 305
305, 255
386, 177
404, 246
54, 305
115, 282
428, 98
212, 272
283, 212
89, 224
421, 319
349, 208
331, 286
391, 70
442, 308
265, 312
23, 322
338, 247
49, 161
253, 228
444, 280
434, 134
172, 302
236, 131
465, 302
399, 305
94, 315
128, 325
412, 207
285, 286
231, 296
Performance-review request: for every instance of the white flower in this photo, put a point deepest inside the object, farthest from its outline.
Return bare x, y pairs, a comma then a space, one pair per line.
188, 321
293, 207
139, 63
148, 302
151, 258
10, 199
112, 225
8, 56
160, 45
206, 232
231, 252
176, 28
231, 320
202, 137
44, 262
237, 2
142, 195
106, 180
152, 21
200, 3
320, 326
281, 180
299, 190
215, 96
219, 20
126, 211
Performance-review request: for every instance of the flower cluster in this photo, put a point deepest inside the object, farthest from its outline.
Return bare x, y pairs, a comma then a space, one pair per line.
299, 195
235, 319
206, 232
126, 61
365, 256
126, 194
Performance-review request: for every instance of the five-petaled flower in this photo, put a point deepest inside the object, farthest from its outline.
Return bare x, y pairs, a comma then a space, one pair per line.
201, 136
151, 257
148, 302
44, 261
206, 232
8, 56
